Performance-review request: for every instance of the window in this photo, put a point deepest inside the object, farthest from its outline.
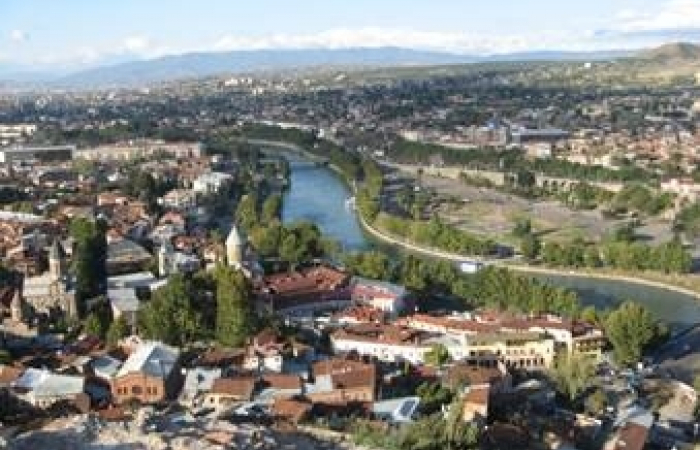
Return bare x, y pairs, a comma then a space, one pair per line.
136, 390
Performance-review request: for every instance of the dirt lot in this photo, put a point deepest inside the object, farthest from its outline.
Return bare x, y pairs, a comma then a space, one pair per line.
493, 213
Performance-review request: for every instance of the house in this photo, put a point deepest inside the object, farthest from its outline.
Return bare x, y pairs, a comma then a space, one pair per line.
126, 256
397, 410
227, 391
304, 291
341, 381
290, 410
633, 431
124, 303
42, 388
275, 386
631, 436
211, 182
9, 374
475, 404
179, 200
265, 352
150, 374
198, 382
104, 367
387, 297
388, 343
462, 374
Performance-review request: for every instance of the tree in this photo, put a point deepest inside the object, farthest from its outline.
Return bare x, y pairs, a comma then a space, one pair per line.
271, 209
247, 212
118, 329
373, 264
596, 402
412, 274
266, 239
523, 227
235, 319
572, 372
291, 250
170, 316
589, 314
524, 179
432, 397
438, 355
530, 246
89, 260
630, 329
458, 434
93, 325
5, 357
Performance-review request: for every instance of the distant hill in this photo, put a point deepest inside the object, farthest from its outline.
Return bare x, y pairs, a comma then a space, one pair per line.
676, 51
193, 65
196, 65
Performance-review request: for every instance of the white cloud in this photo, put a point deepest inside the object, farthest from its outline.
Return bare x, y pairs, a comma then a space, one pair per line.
390, 37
136, 44
670, 15
18, 36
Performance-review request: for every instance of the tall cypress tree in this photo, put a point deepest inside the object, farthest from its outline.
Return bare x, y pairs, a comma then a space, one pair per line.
235, 317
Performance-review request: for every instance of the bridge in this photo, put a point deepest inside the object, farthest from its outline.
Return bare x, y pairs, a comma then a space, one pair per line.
306, 158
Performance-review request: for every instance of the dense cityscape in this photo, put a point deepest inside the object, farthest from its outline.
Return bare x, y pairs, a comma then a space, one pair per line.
486, 255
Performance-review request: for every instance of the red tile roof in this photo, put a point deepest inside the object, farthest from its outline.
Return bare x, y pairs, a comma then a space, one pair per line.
292, 410
631, 436
240, 386
282, 381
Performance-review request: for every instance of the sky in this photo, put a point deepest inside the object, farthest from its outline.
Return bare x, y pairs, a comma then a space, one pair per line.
70, 33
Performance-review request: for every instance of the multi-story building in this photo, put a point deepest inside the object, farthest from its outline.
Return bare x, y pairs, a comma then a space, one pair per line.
150, 374
211, 182
304, 291
15, 131
340, 381
387, 297
391, 343
56, 153
128, 151
387, 343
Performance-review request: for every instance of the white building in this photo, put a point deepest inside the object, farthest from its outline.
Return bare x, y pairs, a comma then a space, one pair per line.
179, 199
42, 388
211, 182
44, 154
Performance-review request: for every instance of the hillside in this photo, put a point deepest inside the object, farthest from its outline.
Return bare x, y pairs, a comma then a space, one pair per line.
193, 65
676, 51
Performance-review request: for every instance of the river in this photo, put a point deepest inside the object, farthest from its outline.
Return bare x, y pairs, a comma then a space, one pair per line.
318, 195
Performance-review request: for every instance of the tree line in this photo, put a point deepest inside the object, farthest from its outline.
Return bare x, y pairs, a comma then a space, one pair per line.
411, 152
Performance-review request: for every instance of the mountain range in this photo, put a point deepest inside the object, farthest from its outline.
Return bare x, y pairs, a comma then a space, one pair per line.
193, 65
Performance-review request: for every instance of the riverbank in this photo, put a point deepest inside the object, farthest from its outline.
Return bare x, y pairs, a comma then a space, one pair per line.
580, 273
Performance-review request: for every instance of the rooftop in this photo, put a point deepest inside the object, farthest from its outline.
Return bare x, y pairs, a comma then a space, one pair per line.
239, 386
43, 383
124, 299
152, 358
375, 285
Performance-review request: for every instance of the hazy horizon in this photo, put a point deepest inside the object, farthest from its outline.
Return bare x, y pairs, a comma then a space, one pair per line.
76, 34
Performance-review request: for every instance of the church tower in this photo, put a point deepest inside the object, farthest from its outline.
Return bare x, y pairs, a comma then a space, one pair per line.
57, 263
165, 260
234, 248
17, 307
